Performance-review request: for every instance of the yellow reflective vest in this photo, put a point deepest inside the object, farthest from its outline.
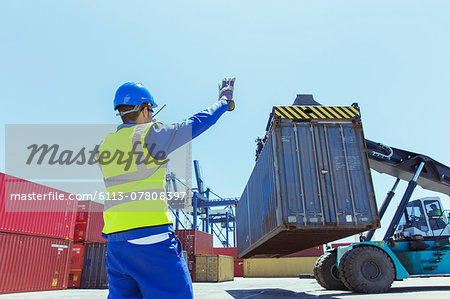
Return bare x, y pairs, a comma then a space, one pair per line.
135, 181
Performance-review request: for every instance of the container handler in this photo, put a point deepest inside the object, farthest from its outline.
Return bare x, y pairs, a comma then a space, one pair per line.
415, 244
417, 241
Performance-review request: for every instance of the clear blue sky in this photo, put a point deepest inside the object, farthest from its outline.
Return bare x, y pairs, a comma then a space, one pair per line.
61, 62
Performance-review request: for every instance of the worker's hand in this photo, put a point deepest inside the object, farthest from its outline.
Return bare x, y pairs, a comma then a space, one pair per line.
226, 91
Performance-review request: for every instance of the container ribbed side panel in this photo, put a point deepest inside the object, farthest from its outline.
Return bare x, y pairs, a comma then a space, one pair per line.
55, 219
29, 263
76, 265
89, 222
257, 210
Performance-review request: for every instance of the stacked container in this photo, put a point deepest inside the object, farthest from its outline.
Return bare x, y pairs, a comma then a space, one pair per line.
89, 222
35, 236
213, 268
194, 242
76, 265
94, 274
310, 252
88, 264
238, 263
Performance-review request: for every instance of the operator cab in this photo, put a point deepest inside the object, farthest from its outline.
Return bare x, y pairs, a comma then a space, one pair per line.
424, 217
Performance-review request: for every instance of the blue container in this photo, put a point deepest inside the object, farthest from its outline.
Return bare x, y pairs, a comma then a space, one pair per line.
94, 275
311, 184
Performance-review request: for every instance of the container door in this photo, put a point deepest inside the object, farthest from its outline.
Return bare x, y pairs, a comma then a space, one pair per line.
346, 186
299, 179
333, 170
365, 209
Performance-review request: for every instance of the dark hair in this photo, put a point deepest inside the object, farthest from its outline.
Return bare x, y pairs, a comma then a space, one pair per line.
132, 116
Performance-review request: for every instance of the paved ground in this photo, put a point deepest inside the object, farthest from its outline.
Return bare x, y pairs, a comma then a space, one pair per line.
273, 288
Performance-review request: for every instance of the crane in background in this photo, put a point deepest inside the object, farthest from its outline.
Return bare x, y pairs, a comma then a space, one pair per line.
218, 222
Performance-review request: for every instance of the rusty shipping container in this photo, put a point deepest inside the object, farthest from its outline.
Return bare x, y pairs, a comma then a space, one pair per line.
213, 268
94, 274
46, 218
311, 183
30, 263
89, 222
195, 241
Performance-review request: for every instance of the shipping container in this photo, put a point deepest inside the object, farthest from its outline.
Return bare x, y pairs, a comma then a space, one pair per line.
336, 245
238, 263
195, 241
213, 268
310, 252
76, 265
30, 263
311, 183
94, 274
89, 222
279, 267
46, 218
314, 251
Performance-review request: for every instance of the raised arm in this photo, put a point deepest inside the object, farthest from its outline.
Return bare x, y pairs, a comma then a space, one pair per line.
167, 138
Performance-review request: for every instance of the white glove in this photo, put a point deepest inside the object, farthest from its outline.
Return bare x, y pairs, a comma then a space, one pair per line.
226, 91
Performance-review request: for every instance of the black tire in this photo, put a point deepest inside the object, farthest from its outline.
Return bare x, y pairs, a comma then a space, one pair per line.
366, 269
326, 273
316, 270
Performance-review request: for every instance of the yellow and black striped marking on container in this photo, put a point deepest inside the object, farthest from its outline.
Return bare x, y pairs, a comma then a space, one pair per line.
317, 112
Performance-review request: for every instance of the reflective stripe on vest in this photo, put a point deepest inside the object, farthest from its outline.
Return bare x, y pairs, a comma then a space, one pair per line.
134, 181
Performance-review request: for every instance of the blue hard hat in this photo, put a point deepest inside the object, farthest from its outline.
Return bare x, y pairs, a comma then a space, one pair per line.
133, 93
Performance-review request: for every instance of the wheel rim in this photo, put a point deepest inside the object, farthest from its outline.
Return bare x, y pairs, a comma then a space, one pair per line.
334, 272
370, 270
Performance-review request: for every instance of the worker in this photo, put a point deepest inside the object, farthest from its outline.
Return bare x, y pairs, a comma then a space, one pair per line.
144, 257
435, 218
434, 211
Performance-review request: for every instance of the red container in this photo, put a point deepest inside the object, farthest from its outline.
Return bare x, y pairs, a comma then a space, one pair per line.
195, 241
310, 252
76, 265
89, 222
30, 263
336, 245
46, 218
238, 263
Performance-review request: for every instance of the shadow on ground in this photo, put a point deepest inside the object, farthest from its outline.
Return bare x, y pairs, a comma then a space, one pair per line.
287, 294
419, 289
270, 294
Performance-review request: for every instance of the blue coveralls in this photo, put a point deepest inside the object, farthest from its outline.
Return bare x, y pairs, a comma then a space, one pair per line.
156, 270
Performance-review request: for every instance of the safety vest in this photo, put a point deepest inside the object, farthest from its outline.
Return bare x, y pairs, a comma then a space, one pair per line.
135, 181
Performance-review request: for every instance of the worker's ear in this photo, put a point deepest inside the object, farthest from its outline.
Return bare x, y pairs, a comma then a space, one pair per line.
144, 112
